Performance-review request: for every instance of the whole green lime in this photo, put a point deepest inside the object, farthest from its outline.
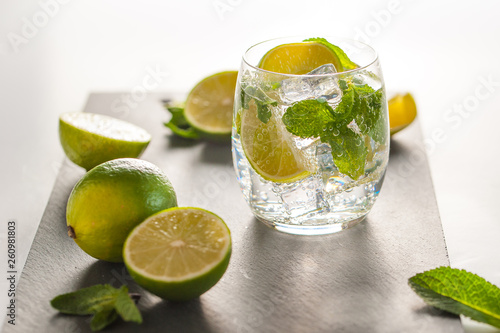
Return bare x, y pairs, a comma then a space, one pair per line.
110, 200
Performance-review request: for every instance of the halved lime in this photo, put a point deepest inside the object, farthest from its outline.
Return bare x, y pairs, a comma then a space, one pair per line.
179, 253
209, 106
402, 111
270, 149
90, 139
299, 58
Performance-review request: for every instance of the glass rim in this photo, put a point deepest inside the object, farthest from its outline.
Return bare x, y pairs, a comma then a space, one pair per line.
350, 40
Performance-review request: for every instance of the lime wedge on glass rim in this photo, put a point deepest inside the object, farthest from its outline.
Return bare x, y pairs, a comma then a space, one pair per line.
179, 253
89, 139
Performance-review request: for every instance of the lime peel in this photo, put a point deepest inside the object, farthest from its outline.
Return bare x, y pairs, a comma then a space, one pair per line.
90, 139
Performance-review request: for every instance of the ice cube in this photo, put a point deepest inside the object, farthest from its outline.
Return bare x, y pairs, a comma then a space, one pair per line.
366, 77
318, 85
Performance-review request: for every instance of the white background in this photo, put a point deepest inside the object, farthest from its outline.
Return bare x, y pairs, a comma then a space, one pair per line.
441, 51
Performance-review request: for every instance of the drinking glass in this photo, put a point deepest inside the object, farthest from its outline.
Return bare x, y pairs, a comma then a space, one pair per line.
310, 151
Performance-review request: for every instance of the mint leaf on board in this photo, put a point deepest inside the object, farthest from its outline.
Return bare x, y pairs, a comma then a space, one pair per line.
459, 292
126, 308
86, 301
102, 319
179, 125
346, 63
104, 302
308, 118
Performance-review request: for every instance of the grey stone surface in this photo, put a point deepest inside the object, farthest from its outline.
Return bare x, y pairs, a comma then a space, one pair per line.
353, 281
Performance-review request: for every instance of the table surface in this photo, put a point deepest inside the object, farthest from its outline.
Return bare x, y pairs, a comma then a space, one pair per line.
444, 52
353, 281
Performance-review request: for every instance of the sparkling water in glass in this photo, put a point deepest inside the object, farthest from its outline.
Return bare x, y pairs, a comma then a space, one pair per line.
310, 151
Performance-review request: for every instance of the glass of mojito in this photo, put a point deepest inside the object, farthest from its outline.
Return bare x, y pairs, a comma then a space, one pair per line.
310, 135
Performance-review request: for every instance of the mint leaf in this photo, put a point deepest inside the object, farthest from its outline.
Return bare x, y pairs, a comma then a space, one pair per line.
370, 117
85, 301
104, 302
102, 319
348, 151
179, 125
459, 292
347, 104
263, 111
345, 62
308, 118
262, 101
126, 308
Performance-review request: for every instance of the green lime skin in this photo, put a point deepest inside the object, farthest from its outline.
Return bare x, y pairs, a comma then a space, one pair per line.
89, 149
184, 290
110, 200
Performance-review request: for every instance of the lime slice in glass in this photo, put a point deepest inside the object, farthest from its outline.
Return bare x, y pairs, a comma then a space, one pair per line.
298, 58
270, 149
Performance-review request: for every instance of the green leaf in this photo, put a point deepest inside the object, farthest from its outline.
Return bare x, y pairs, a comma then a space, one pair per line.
263, 111
369, 115
459, 292
262, 101
102, 319
104, 302
126, 307
307, 118
179, 125
86, 301
348, 151
347, 104
346, 63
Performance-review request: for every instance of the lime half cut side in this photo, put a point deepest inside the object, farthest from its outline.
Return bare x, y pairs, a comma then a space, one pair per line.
270, 149
89, 139
179, 253
209, 105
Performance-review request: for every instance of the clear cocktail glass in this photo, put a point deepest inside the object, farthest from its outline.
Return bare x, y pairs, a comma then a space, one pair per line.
310, 148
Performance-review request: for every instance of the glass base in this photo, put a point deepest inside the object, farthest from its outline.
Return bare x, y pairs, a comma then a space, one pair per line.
311, 230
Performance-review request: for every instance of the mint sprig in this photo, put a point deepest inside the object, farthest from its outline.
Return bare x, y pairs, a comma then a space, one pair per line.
104, 302
361, 105
179, 125
459, 292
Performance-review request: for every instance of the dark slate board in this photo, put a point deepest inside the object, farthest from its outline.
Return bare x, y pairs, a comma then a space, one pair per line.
353, 281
